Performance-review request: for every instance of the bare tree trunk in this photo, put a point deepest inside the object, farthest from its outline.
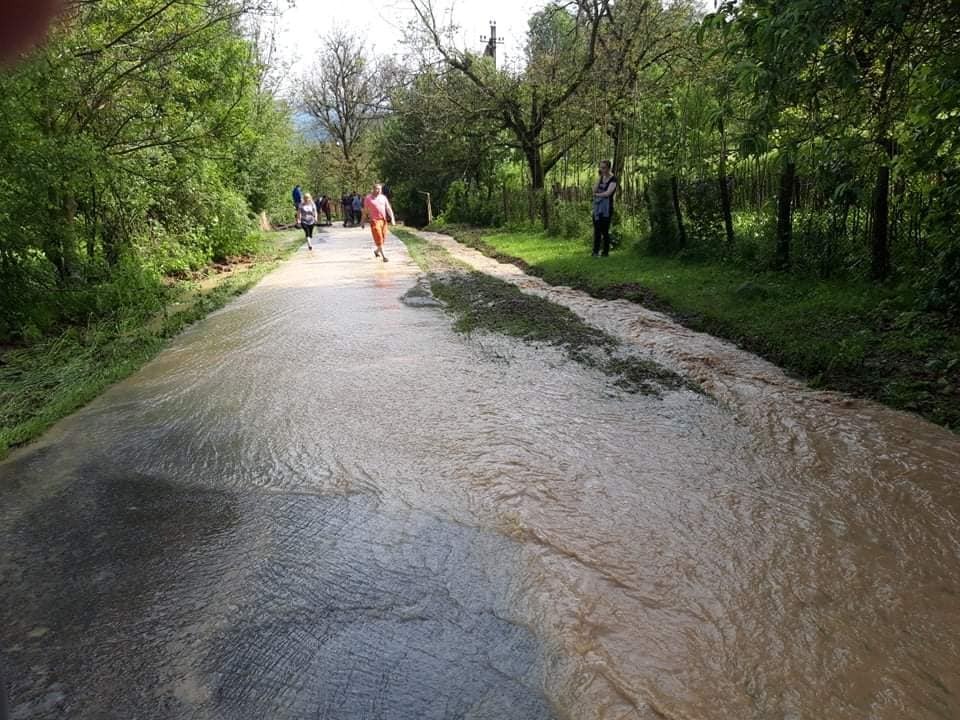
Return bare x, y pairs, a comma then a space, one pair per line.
535, 164
725, 189
538, 198
619, 149
785, 213
675, 191
879, 235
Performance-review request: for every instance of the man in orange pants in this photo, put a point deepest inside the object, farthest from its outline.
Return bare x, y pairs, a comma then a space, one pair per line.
377, 210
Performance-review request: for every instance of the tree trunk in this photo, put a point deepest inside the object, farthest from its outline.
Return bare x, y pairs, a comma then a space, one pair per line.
785, 213
537, 181
879, 235
95, 224
675, 191
58, 244
619, 151
725, 189
535, 164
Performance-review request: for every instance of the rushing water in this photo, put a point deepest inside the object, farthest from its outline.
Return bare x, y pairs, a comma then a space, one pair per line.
322, 502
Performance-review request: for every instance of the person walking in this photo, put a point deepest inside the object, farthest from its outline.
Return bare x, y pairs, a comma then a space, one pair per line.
324, 206
603, 193
357, 204
377, 210
297, 200
308, 218
346, 208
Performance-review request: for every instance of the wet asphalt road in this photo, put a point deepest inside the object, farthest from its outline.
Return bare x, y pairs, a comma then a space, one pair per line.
321, 502
143, 577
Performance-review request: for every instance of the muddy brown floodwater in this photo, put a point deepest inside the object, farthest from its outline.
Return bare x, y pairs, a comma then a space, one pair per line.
321, 502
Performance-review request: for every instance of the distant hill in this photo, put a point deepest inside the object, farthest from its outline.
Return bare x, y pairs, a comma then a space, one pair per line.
308, 127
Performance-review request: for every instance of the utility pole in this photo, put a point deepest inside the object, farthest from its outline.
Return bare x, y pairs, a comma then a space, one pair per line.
492, 41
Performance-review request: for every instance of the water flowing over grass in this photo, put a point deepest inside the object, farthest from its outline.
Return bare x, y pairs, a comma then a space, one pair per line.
870, 340
45, 382
482, 302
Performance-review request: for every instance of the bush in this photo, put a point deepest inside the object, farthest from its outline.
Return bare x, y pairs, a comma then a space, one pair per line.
171, 252
27, 286
945, 294
755, 232
231, 229
630, 230
814, 242
664, 238
704, 217
569, 220
472, 205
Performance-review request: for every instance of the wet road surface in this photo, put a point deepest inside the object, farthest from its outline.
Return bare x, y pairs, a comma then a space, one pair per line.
320, 502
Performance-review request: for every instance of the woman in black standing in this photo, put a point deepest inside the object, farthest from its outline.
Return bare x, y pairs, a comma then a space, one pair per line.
603, 209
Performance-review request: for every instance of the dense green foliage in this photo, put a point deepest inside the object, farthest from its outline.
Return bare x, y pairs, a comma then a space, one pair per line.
812, 136
137, 144
789, 171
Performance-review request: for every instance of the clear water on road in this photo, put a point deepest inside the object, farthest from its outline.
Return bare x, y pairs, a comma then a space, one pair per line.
321, 502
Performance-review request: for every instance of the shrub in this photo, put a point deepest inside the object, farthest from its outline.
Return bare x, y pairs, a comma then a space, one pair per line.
472, 205
172, 252
704, 218
945, 294
231, 229
664, 237
569, 220
754, 231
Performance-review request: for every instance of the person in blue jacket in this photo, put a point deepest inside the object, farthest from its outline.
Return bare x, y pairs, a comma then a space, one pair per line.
297, 199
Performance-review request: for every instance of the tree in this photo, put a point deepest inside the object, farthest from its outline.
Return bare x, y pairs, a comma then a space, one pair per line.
106, 106
432, 139
638, 45
348, 93
562, 54
848, 73
126, 147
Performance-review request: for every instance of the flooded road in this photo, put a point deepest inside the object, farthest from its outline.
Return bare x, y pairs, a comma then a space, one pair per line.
321, 502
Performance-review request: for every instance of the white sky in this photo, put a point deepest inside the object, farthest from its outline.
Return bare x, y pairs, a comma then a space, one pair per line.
300, 28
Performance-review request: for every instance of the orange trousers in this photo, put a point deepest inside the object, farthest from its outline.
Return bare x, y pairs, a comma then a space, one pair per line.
379, 230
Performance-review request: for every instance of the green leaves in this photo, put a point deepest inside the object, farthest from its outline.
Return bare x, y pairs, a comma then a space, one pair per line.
138, 133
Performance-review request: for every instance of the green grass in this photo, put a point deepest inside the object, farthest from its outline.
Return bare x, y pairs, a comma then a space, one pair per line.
853, 336
429, 256
47, 381
482, 302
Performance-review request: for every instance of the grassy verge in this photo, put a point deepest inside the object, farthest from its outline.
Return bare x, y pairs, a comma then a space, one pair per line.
852, 336
51, 379
481, 302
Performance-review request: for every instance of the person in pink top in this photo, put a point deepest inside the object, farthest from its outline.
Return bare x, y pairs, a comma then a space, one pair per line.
376, 209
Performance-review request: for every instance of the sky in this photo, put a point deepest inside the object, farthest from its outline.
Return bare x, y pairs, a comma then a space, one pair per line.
381, 24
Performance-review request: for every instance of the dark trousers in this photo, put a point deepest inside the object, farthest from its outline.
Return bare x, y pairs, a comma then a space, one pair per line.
308, 230
601, 234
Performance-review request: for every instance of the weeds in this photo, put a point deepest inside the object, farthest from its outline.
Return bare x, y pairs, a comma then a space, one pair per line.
47, 381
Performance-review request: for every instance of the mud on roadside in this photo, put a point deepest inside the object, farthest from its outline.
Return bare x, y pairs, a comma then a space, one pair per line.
480, 302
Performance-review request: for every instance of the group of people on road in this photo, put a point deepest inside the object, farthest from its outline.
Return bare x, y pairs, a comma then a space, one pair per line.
308, 212
351, 205
375, 208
